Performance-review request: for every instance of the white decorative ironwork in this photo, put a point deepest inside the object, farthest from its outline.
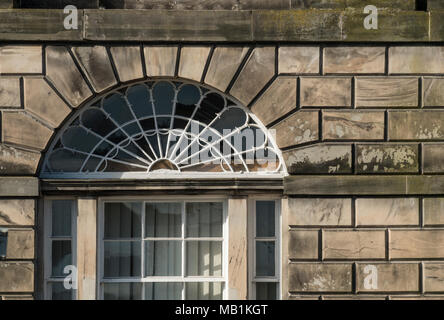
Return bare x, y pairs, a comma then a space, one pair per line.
162, 127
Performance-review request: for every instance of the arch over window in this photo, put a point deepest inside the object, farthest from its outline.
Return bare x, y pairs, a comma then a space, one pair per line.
162, 127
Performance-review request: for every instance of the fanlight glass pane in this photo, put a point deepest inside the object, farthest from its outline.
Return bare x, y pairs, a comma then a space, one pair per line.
187, 126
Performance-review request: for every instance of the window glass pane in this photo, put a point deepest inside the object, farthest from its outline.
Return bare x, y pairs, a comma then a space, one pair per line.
163, 291
163, 258
204, 290
266, 290
265, 218
163, 220
122, 259
61, 257
122, 291
58, 291
204, 219
265, 258
123, 220
61, 218
204, 258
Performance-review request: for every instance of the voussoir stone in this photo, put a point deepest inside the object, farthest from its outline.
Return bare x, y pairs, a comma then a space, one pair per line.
433, 92
325, 92
277, 100
319, 212
16, 277
351, 244
20, 244
387, 158
20, 59
41, 100
386, 92
387, 211
160, 60
128, 62
192, 62
257, 72
9, 92
19, 212
21, 129
391, 277
317, 277
353, 125
300, 127
321, 158
96, 65
425, 60
354, 60
301, 60
14, 161
64, 75
411, 125
223, 66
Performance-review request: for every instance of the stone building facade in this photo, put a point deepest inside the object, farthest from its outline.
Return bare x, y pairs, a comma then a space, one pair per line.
356, 117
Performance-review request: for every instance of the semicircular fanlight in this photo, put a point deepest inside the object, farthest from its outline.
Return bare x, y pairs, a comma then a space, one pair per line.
163, 126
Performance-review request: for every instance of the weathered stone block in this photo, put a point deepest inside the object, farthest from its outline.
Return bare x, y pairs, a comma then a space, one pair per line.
199, 4
298, 128
96, 65
433, 211
20, 244
21, 129
58, 4
325, 92
433, 95
128, 62
19, 186
347, 185
417, 244
160, 60
277, 100
416, 59
260, 67
424, 184
18, 297
387, 158
341, 4
223, 66
433, 277
6, 4
14, 161
16, 277
433, 157
391, 277
354, 60
192, 62
393, 25
301, 60
325, 158
297, 25
435, 4
412, 125
319, 212
37, 25
20, 59
436, 25
19, 212
353, 125
64, 75
303, 244
9, 92
316, 277
387, 211
386, 92
42, 101
351, 244
156, 25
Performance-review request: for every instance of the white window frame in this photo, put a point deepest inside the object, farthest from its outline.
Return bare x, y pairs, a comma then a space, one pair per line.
181, 279
277, 278
48, 239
